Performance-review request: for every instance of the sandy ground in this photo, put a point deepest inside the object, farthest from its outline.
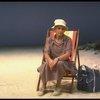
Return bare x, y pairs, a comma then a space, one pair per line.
19, 76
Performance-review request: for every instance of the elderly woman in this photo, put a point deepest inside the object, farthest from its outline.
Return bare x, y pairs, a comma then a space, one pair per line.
56, 52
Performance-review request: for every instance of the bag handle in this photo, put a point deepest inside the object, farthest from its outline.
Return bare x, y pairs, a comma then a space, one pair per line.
83, 67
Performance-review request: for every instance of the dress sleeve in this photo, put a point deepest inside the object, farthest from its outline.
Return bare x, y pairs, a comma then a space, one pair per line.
68, 46
47, 46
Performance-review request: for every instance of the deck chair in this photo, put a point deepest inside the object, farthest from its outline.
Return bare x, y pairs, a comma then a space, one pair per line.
74, 35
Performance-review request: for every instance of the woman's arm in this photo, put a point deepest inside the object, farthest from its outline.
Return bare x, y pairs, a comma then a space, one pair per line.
50, 61
47, 58
67, 51
64, 56
47, 50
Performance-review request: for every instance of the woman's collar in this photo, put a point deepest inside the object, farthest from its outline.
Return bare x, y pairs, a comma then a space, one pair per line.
63, 37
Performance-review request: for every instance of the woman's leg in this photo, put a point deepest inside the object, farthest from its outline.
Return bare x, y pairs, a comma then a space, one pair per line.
57, 90
60, 72
44, 85
58, 83
43, 90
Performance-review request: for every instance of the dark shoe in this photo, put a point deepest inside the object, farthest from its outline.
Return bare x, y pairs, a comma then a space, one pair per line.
57, 91
42, 92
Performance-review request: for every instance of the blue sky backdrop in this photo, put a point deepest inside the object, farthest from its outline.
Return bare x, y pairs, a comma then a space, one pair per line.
26, 23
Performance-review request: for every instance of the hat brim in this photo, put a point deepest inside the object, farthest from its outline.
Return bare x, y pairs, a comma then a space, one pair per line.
59, 25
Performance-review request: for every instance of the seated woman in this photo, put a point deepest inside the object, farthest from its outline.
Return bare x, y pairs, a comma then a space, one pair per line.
56, 52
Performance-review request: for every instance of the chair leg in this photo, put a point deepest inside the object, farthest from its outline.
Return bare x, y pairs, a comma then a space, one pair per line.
71, 87
38, 85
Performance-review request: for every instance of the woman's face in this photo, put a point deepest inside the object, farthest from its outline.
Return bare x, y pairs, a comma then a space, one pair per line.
59, 30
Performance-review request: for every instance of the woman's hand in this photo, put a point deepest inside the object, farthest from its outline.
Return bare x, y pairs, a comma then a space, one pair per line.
52, 63
55, 61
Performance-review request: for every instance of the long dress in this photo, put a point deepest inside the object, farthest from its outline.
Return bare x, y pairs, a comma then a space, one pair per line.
54, 50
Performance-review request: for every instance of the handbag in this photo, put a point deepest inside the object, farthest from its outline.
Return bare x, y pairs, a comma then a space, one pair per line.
88, 79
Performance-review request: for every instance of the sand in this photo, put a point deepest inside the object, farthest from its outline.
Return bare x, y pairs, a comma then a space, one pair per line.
19, 76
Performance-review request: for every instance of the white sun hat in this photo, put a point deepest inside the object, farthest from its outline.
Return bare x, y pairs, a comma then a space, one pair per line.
59, 22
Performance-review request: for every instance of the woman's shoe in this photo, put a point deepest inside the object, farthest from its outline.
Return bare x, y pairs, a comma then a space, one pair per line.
41, 92
57, 91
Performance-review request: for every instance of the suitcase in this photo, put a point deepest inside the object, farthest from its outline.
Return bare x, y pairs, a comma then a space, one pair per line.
88, 79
